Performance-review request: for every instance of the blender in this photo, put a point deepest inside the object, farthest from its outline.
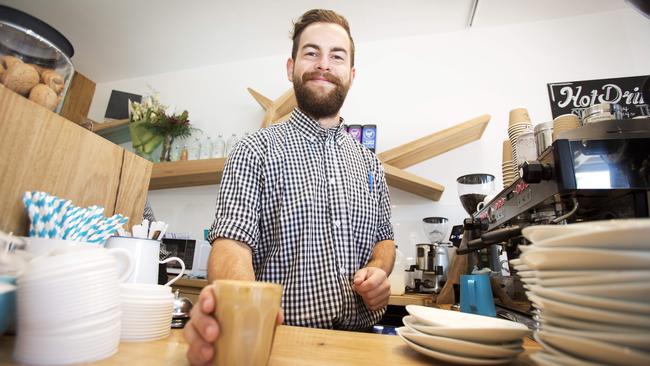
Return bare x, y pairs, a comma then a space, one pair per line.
433, 259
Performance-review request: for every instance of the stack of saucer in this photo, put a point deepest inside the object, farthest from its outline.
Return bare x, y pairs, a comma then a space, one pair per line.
68, 308
508, 166
590, 283
461, 338
146, 311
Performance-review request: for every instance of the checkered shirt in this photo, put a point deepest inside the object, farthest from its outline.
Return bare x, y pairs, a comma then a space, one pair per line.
300, 197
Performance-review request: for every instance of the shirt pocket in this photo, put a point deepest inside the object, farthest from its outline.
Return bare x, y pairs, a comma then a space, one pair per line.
364, 208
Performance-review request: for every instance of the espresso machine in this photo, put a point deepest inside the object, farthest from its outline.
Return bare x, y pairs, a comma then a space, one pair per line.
598, 171
432, 260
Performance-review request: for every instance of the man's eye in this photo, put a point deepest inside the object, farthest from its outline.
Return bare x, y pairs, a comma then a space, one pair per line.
310, 54
337, 57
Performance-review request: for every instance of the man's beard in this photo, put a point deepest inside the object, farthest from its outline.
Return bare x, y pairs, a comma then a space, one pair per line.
319, 105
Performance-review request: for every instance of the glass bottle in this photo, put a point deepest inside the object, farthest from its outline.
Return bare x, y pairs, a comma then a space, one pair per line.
219, 147
194, 150
230, 145
206, 148
184, 153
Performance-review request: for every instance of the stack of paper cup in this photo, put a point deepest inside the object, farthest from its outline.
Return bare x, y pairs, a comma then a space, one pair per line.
508, 166
69, 307
146, 311
519, 124
563, 123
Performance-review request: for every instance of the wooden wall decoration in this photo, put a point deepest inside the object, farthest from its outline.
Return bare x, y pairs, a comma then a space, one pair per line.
276, 110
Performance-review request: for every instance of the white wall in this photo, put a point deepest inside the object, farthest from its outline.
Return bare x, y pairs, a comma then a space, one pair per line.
411, 87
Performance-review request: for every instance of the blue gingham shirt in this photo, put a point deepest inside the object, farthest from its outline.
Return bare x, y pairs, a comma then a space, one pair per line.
311, 203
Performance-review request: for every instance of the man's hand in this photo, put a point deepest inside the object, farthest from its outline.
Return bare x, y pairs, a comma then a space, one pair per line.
202, 330
371, 283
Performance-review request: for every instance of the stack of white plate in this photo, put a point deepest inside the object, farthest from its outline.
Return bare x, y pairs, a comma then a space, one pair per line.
461, 338
590, 283
68, 309
146, 311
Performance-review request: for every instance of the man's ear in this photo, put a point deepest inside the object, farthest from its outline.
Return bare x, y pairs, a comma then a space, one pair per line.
290, 69
353, 73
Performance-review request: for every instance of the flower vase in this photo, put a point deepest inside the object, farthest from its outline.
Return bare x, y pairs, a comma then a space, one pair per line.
166, 153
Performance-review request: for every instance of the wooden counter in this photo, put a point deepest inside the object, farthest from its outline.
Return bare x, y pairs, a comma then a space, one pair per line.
191, 288
292, 346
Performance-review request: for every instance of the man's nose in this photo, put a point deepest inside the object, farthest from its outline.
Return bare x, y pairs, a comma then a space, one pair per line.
323, 63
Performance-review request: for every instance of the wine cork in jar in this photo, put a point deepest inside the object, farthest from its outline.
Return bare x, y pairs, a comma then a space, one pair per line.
20, 78
43, 95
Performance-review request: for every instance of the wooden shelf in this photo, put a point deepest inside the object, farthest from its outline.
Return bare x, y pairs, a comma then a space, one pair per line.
188, 173
116, 130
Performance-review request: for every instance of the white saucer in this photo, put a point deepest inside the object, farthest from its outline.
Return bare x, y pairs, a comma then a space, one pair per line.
599, 278
558, 294
615, 234
549, 318
452, 358
596, 351
551, 359
585, 259
578, 312
483, 335
459, 347
619, 338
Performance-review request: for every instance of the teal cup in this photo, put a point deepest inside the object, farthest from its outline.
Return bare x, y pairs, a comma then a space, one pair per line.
476, 295
7, 303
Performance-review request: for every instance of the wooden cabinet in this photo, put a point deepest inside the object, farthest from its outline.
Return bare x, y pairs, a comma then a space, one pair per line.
42, 151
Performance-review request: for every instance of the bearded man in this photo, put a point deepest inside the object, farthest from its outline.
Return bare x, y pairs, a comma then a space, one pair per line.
303, 204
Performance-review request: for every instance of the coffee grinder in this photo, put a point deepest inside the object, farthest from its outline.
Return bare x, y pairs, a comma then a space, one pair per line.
433, 259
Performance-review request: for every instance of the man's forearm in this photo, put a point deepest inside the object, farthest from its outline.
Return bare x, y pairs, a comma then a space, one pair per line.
383, 256
230, 259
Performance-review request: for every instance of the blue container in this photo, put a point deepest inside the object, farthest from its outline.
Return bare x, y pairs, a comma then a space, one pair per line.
476, 295
7, 303
369, 137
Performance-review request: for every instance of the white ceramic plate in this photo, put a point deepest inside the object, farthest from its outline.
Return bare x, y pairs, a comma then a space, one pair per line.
596, 351
527, 274
618, 235
529, 280
563, 295
456, 319
550, 359
615, 318
452, 358
619, 338
483, 335
600, 278
583, 325
637, 292
458, 347
585, 259
569, 273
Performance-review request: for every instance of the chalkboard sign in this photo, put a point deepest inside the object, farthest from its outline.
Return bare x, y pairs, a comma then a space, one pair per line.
118, 104
576, 96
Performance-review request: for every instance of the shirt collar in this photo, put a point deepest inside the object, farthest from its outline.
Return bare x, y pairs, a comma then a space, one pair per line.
310, 128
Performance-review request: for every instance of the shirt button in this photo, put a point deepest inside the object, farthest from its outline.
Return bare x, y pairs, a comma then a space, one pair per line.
337, 223
332, 180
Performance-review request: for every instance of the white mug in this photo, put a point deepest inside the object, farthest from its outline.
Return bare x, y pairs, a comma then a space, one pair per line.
46, 247
146, 257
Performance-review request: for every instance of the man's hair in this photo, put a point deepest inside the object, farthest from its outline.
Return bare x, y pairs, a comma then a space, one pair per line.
319, 16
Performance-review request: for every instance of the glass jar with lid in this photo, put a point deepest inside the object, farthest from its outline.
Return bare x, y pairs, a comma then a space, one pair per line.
34, 58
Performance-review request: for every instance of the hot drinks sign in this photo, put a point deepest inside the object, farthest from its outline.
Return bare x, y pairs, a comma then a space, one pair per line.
576, 96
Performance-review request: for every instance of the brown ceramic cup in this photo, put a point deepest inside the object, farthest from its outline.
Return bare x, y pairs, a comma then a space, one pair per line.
246, 312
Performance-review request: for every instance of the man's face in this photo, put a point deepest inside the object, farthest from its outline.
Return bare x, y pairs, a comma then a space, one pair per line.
321, 73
